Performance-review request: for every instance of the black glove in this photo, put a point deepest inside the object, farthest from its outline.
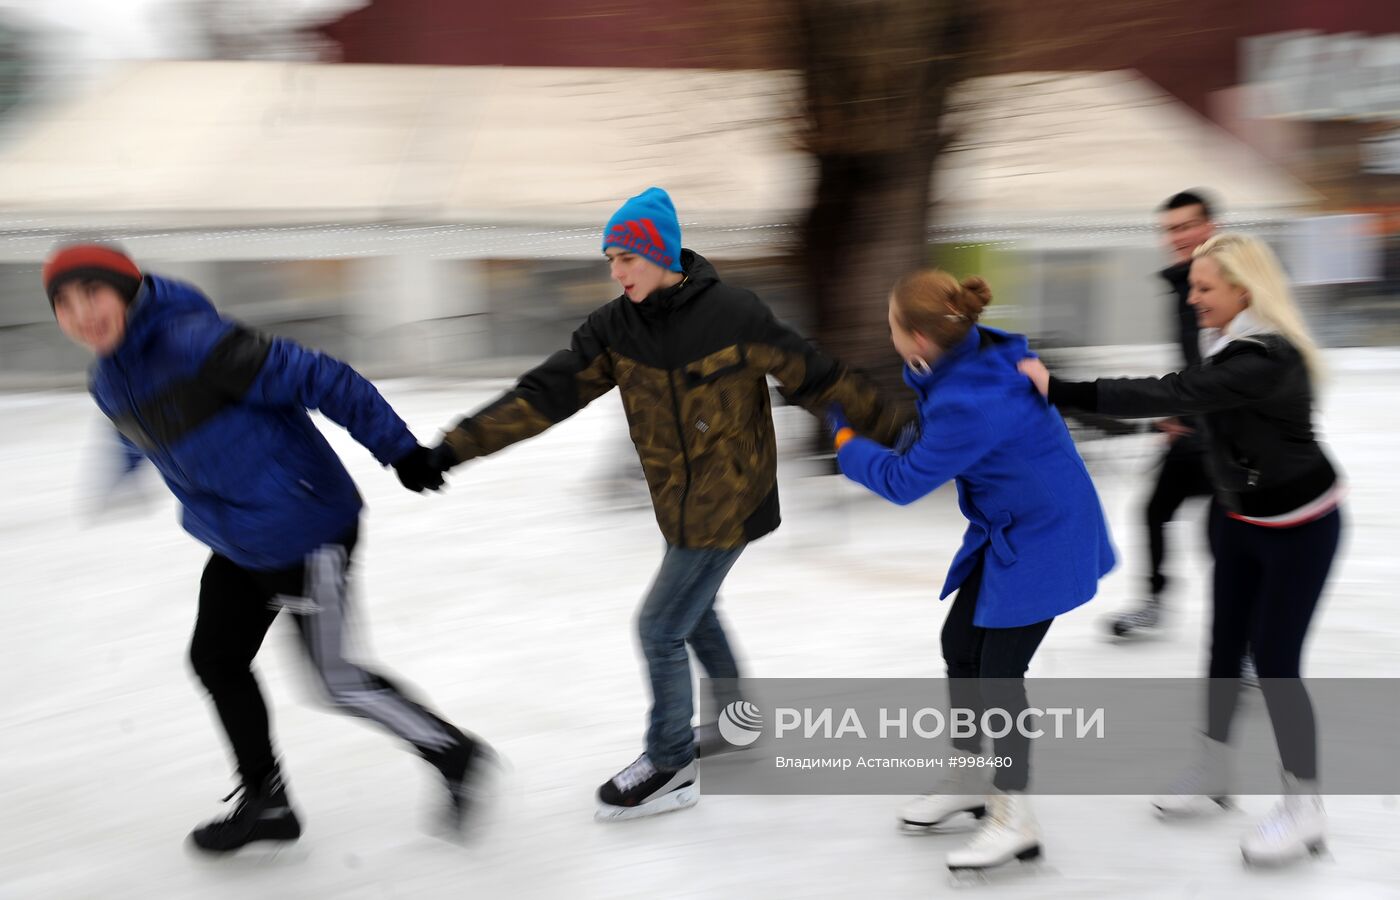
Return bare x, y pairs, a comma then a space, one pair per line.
418, 471
442, 457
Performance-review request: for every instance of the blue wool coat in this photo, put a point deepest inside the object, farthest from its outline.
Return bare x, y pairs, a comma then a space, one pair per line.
221, 412
1032, 510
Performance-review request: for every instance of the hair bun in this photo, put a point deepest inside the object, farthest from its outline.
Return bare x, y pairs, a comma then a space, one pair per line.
976, 294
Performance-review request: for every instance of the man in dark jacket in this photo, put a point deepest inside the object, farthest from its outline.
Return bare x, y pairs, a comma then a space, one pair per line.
1187, 222
691, 356
221, 413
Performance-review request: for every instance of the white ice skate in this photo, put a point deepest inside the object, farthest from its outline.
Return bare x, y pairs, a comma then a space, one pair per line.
1142, 622
1008, 832
960, 791
1294, 828
1202, 788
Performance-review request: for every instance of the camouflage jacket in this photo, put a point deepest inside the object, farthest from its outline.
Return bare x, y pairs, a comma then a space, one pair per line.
692, 363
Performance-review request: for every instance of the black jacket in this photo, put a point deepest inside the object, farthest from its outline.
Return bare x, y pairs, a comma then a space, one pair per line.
1255, 400
1188, 336
1187, 330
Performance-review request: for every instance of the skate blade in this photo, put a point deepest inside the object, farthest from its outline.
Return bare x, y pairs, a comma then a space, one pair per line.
1139, 636
1213, 807
1313, 850
960, 822
255, 853
728, 754
678, 799
1031, 863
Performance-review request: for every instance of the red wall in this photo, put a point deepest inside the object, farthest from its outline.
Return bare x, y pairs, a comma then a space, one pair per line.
1189, 47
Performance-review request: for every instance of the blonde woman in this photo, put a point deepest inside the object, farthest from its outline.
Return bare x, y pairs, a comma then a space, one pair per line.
1275, 521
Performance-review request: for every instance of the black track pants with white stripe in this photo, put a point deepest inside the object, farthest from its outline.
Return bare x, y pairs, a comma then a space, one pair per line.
237, 607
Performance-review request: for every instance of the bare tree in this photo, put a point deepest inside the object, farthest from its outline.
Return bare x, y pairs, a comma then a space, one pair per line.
878, 76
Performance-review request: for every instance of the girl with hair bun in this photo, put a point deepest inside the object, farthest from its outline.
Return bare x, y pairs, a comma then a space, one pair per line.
1035, 547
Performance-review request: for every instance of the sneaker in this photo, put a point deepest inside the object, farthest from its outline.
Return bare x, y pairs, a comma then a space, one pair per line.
263, 813
643, 789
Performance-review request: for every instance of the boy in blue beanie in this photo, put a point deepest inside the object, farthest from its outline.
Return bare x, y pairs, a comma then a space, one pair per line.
691, 356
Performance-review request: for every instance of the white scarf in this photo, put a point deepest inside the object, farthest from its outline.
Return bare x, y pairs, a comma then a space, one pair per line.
1244, 325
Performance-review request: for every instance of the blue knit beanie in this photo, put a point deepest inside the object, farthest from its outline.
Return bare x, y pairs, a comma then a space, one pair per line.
647, 225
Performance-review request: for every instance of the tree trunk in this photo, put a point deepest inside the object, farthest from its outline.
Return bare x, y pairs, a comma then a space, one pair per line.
866, 228
877, 75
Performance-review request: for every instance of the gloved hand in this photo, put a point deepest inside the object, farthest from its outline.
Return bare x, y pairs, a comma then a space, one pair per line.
837, 426
443, 457
419, 471
908, 436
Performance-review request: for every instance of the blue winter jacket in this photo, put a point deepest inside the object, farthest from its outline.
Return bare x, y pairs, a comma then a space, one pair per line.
1031, 508
221, 412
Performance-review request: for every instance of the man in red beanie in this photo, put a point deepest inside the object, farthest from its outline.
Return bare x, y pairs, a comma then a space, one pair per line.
221, 412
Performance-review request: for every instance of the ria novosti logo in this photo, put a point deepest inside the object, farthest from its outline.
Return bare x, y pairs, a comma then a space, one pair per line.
740, 723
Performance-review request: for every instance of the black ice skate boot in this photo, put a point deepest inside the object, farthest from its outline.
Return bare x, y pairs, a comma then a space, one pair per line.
467, 768
263, 813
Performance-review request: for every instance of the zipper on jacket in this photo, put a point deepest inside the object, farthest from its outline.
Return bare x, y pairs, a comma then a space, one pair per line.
136, 414
685, 456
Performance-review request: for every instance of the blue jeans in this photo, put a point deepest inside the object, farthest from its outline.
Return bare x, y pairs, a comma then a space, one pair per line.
679, 609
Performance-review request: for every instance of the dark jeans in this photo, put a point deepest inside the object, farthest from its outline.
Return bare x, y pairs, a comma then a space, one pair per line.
1267, 585
987, 668
237, 607
1182, 476
679, 609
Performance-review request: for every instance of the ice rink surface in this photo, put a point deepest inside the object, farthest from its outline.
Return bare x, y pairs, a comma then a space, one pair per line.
509, 601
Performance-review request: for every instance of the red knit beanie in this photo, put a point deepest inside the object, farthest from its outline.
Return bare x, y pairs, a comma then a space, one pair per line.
96, 262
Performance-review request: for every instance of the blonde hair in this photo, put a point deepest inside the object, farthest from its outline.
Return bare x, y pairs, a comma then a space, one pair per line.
1247, 262
938, 306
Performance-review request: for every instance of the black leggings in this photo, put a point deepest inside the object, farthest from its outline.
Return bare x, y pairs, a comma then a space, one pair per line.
1001, 654
1267, 585
236, 608
1182, 476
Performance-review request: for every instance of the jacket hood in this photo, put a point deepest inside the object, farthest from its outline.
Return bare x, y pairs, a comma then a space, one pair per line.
699, 275
158, 301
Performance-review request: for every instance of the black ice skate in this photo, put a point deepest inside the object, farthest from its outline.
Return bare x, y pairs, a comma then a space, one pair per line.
642, 789
466, 767
263, 813
710, 742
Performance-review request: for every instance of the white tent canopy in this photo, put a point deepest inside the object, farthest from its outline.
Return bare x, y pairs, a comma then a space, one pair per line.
1095, 146
245, 145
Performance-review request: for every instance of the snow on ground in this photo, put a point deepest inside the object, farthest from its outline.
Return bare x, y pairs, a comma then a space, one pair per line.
509, 603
